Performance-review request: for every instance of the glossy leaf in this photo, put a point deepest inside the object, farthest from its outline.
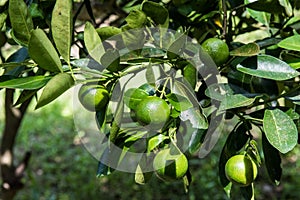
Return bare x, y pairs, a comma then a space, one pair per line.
136, 19
134, 39
142, 177
27, 83
25, 95
155, 141
260, 16
111, 60
158, 13
179, 102
54, 88
291, 43
272, 160
93, 42
230, 96
21, 21
61, 26
43, 52
248, 192
294, 97
103, 169
287, 6
268, 67
280, 130
144, 170
108, 31
251, 49
270, 6
176, 48
196, 118
3, 17
196, 140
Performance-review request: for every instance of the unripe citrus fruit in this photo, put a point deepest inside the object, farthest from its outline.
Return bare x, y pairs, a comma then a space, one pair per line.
93, 97
153, 111
240, 170
217, 49
170, 166
134, 96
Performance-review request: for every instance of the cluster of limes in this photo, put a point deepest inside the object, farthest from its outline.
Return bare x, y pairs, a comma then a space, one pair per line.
153, 112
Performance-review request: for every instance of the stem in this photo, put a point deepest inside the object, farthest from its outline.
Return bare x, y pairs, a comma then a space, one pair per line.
224, 7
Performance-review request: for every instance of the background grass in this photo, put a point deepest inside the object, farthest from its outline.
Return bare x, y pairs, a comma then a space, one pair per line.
61, 168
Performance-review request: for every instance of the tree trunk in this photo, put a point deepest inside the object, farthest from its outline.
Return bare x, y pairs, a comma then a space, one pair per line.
11, 174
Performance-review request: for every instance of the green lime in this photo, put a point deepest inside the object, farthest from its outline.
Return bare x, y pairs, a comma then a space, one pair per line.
93, 97
217, 49
240, 170
133, 96
153, 111
170, 166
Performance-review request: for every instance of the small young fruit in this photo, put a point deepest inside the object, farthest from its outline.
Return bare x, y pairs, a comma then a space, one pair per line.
217, 49
153, 111
170, 167
240, 170
93, 97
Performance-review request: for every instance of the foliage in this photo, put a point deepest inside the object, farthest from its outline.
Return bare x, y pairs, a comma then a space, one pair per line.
260, 80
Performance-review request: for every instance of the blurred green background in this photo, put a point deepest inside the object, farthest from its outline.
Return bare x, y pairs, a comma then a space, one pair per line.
61, 168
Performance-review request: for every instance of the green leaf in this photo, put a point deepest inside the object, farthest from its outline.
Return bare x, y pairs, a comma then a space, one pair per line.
176, 48
21, 21
143, 171
262, 17
136, 19
142, 177
268, 67
180, 103
61, 26
93, 42
111, 60
134, 39
235, 101
196, 118
103, 169
270, 6
231, 96
158, 13
26, 83
196, 140
294, 97
108, 31
150, 75
248, 192
155, 141
280, 130
272, 160
3, 17
251, 49
291, 43
287, 6
54, 88
25, 95
42, 51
